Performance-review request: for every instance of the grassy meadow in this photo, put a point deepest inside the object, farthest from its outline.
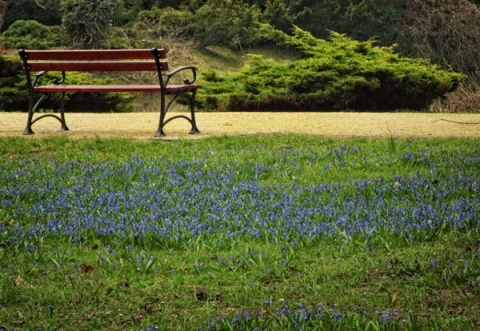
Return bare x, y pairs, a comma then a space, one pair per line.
261, 232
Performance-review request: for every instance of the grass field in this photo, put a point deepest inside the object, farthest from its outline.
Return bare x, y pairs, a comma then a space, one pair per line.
261, 232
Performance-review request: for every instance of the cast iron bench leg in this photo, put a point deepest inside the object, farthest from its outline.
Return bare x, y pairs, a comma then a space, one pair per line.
192, 112
62, 114
163, 111
28, 128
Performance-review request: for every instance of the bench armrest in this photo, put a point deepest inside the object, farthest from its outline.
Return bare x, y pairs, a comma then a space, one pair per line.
185, 81
55, 81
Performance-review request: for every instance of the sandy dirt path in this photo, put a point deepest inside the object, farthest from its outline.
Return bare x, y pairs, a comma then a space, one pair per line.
335, 124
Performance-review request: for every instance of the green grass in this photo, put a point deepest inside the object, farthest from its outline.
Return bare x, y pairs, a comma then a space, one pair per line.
428, 279
338, 160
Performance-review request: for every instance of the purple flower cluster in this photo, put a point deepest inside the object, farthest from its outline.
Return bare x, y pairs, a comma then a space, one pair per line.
171, 202
304, 318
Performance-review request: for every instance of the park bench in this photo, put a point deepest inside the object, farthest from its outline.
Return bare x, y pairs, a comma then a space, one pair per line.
39, 62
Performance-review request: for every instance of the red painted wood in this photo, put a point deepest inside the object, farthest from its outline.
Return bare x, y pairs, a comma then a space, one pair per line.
113, 88
92, 55
97, 66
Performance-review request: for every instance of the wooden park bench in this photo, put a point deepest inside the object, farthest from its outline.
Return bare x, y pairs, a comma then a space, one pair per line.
38, 62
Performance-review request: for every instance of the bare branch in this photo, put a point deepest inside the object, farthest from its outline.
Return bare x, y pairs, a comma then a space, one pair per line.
41, 3
446, 31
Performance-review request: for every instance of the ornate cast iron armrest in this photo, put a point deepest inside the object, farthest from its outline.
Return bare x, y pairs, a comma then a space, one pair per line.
38, 75
56, 81
61, 81
185, 81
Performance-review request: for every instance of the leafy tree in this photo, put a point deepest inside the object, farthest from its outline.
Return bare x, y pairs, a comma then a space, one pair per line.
278, 14
169, 3
44, 11
152, 28
4, 6
227, 22
127, 10
193, 5
374, 18
360, 19
87, 22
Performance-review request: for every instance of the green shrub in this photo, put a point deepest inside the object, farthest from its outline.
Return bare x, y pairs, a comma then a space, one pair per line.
237, 31
337, 74
31, 34
46, 12
13, 92
87, 23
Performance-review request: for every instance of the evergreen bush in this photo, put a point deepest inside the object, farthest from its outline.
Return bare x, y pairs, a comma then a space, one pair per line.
30, 34
46, 12
13, 91
335, 74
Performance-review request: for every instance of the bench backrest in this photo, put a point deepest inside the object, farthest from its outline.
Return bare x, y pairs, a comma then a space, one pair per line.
95, 60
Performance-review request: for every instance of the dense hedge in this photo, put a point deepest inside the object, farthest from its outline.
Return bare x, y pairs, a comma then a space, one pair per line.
31, 34
13, 91
335, 74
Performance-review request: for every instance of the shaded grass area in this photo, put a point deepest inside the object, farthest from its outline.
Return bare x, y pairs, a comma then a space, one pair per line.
277, 232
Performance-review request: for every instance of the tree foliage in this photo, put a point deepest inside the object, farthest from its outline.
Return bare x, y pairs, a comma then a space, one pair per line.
226, 22
334, 74
278, 14
44, 11
87, 22
446, 31
166, 23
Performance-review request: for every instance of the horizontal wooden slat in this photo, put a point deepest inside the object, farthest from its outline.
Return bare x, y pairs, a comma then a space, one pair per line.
97, 66
112, 88
92, 55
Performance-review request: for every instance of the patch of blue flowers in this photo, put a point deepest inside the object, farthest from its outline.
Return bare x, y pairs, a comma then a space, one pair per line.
300, 317
169, 202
